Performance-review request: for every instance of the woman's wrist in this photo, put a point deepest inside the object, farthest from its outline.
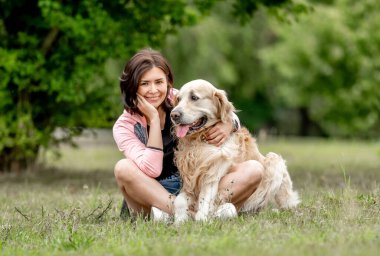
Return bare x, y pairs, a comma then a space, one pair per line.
154, 119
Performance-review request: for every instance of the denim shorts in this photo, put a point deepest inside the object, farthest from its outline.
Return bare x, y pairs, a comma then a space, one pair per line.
172, 184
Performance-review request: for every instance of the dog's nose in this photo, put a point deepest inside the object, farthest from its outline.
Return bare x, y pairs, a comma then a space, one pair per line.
175, 115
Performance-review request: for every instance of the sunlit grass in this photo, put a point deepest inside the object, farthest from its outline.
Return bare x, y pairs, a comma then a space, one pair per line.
329, 163
71, 206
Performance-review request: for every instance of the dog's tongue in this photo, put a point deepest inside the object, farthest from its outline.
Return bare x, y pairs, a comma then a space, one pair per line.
182, 130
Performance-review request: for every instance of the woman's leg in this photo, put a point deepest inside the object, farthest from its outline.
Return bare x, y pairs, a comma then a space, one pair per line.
238, 185
140, 191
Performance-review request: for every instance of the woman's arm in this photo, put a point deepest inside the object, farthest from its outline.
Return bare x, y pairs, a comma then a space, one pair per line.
148, 159
153, 118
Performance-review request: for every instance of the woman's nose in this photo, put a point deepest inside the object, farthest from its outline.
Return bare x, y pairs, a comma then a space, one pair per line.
153, 87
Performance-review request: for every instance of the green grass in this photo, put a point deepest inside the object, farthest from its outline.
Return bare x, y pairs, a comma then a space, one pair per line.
71, 207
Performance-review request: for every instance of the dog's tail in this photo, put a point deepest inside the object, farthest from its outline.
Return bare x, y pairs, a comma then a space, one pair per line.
286, 197
275, 183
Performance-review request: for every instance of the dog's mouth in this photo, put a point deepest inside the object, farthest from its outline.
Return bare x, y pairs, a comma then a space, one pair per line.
183, 129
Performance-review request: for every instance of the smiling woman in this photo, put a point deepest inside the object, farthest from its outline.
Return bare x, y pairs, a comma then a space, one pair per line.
147, 176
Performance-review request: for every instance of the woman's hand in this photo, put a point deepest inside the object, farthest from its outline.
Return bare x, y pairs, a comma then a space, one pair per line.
148, 110
219, 133
153, 119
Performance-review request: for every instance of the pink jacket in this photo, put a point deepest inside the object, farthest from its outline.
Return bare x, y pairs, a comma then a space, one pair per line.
130, 134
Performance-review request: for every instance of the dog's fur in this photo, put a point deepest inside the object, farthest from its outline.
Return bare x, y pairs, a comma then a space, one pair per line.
198, 106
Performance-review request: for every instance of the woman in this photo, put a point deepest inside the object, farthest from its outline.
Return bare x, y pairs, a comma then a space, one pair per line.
147, 176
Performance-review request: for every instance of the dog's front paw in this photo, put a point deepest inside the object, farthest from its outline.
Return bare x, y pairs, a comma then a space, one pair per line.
226, 211
200, 216
180, 218
159, 215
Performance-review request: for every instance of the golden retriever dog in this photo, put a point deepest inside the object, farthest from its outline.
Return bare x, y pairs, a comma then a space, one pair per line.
198, 106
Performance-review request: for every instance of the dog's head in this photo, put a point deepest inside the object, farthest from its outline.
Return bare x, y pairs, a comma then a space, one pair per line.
199, 105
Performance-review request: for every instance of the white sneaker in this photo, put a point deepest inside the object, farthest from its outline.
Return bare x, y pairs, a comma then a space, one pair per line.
158, 215
226, 211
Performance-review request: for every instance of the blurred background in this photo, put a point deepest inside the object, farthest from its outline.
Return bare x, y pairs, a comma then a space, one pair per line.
304, 75
292, 68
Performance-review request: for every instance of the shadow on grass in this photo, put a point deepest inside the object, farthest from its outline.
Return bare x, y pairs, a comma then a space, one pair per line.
74, 178
54, 177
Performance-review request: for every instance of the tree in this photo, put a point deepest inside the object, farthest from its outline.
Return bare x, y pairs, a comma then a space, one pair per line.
53, 56
325, 66
52, 68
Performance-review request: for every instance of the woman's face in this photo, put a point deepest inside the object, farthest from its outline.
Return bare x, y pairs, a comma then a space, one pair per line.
153, 86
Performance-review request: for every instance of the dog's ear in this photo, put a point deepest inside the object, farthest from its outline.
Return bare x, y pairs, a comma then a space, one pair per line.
173, 98
225, 108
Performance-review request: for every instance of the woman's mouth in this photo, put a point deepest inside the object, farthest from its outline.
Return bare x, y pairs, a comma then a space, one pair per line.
153, 99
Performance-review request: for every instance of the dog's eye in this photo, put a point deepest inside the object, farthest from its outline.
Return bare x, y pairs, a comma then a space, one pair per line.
194, 98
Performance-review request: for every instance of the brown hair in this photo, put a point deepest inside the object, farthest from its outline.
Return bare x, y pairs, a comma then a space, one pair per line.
141, 62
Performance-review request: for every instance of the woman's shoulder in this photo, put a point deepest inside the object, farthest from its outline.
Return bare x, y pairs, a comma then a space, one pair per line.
127, 118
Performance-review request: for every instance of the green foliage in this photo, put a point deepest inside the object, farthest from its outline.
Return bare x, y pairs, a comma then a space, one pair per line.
226, 53
288, 68
245, 9
326, 63
53, 65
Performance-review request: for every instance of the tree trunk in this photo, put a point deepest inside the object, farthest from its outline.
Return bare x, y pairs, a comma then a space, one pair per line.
305, 123
308, 127
10, 161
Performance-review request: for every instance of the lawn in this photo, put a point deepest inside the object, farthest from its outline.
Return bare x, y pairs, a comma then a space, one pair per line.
71, 207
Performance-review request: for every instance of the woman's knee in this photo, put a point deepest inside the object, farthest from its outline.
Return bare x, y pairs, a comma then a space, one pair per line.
124, 170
